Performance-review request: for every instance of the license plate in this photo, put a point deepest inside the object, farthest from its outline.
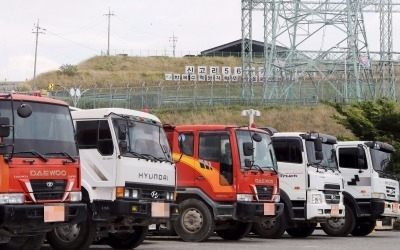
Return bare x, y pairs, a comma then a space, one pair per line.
395, 207
269, 209
160, 209
335, 210
54, 212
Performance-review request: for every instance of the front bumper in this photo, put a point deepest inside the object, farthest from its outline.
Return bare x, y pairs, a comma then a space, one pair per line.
382, 208
25, 219
321, 212
141, 212
253, 212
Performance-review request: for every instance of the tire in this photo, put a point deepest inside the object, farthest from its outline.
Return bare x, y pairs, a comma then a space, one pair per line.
127, 240
195, 222
271, 229
25, 243
340, 227
72, 237
302, 231
363, 228
237, 231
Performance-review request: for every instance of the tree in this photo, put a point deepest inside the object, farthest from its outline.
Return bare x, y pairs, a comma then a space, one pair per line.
373, 121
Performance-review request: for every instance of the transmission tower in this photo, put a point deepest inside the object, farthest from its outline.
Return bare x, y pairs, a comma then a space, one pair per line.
304, 61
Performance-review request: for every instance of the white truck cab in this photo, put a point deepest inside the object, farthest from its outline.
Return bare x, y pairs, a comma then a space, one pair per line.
128, 178
371, 189
310, 184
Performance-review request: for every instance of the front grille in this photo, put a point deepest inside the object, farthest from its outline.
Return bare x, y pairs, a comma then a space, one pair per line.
332, 186
264, 192
48, 189
332, 197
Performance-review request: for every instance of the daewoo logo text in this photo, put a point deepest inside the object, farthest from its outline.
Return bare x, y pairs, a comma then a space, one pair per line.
264, 181
48, 173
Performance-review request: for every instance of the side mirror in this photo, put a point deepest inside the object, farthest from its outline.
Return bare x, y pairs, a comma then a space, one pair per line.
24, 110
4, 126
248, 163
122, 132
123, 147
319, 156
256, 137
248, 148
318, 145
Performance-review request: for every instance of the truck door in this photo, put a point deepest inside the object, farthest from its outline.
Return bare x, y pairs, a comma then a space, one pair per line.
354, 168
292, 172
97, 153
215, 173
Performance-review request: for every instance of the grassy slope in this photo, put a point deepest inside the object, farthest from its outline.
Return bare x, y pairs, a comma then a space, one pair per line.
119, 70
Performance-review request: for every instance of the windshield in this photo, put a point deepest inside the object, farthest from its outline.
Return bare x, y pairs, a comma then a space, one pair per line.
48, 130
143, 138
381, 161
263, 157
328, 151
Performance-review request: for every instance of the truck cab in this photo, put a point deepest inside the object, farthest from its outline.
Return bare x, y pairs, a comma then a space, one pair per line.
371, 189
310, 184
226, 179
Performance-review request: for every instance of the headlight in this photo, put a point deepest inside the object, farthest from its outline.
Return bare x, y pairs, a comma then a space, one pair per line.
316, 199
378, 196
131, 193
170, 196
277, 198
76, 196
244, 197
11, 198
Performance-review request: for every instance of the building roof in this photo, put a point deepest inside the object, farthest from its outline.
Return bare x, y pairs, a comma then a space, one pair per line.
236, 47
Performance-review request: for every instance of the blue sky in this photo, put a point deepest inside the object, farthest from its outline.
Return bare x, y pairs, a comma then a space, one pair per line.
76, 30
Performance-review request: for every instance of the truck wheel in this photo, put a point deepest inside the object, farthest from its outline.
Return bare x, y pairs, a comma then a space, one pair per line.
302, 231
127, 240
237, 231
271, 229
363, 228
196, 222
72, 237
340, 227
25, 243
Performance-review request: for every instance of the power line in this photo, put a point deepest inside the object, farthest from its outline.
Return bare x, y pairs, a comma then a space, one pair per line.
38, 31
174, 39
108, 41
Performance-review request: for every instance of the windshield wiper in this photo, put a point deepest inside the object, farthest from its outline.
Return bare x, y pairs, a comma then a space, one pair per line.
273, 169
137, 155
316, 165
33, 152
62, 153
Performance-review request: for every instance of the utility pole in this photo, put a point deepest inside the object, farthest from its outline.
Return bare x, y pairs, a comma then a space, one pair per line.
173, 39
108, 43
38, 31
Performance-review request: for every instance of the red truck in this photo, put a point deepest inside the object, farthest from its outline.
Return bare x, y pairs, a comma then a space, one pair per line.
225, 180
40, 184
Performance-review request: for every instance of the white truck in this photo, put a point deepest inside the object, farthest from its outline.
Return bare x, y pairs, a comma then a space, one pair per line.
310, 184
371, 187
128, 179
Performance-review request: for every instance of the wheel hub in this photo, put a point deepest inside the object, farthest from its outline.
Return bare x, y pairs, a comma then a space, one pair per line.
67, 233
192, 220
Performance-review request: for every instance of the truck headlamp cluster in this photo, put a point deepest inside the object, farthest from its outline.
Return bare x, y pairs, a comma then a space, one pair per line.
76, 196
11, 198
378, 196
131, 193
316, 198
277, 198
244, 197
170, 196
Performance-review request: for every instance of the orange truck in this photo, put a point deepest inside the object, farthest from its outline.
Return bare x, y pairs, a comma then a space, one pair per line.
225, 180
40, 184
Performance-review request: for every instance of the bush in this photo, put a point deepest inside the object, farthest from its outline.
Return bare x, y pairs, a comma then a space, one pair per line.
68, 69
